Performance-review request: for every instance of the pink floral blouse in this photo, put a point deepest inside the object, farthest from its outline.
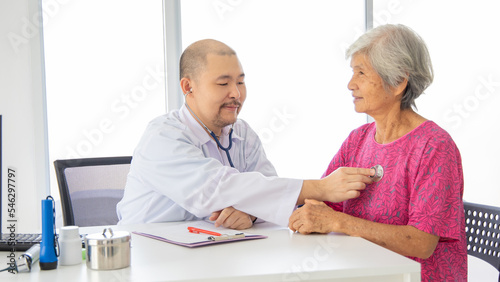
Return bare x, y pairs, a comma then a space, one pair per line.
422, 186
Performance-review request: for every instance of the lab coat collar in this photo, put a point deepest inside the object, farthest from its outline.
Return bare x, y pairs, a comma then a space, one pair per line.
198, 130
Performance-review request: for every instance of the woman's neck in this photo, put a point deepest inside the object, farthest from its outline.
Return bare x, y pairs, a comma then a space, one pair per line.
393, 126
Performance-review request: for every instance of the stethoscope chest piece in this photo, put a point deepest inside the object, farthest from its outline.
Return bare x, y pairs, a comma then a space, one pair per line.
379, 173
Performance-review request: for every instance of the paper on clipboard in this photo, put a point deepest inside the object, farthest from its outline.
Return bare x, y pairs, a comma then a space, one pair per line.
179, 234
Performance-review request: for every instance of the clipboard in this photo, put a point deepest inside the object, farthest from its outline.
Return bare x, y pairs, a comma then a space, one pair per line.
179, 234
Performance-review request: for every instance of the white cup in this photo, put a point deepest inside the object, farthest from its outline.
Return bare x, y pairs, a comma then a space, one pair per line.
70, 246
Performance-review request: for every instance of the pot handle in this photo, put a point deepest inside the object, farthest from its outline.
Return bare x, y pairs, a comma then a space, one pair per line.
110, 232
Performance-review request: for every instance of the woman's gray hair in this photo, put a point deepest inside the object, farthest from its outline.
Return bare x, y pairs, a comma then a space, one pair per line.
397, 53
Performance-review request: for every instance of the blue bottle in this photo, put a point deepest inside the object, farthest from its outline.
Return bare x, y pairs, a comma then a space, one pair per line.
48, 257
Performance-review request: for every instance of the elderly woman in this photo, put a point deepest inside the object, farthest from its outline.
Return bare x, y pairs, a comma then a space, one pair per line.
416, 208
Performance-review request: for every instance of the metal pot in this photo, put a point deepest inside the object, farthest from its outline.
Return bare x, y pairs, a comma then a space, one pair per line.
109, 250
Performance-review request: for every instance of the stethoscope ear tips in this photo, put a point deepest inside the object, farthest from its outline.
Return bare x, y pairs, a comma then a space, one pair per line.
379, 173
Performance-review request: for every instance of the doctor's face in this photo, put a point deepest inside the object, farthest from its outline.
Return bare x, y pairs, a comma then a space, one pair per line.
219, 91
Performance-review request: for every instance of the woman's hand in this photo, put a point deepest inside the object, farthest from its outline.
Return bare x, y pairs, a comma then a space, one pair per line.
317, 217
313, 217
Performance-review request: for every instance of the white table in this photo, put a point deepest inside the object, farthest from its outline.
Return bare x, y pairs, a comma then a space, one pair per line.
283, 256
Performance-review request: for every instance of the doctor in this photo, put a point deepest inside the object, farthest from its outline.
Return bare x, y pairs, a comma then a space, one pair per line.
201, 161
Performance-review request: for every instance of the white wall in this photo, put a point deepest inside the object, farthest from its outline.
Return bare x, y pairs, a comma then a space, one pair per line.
22, 109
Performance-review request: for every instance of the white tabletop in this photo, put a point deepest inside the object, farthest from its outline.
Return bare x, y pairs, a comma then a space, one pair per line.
283, 256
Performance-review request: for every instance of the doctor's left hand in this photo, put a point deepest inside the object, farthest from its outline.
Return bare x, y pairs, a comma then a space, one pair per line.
232, 218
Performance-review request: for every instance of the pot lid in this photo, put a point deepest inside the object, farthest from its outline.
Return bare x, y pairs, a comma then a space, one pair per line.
107, 237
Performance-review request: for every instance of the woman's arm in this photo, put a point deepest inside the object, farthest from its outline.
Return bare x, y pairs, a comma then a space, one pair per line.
317, 217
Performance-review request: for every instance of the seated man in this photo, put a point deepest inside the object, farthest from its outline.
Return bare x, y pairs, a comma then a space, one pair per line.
201, 160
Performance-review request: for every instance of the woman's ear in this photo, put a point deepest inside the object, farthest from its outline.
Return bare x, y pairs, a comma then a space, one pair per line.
401, 87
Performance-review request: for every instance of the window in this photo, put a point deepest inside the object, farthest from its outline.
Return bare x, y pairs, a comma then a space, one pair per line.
105, 76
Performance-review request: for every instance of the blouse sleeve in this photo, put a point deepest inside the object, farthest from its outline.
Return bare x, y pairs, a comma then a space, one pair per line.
436, 198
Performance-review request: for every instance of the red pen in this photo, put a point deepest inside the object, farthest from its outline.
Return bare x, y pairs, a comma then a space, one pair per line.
198, 231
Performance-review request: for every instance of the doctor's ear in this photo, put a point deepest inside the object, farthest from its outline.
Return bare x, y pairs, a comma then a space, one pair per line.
186, 86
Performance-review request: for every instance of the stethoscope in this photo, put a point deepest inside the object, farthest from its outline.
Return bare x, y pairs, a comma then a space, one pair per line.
212, 133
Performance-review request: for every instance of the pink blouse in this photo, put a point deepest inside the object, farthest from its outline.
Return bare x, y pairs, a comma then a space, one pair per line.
422, 186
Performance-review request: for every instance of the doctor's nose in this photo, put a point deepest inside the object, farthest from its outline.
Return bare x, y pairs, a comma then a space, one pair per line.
235, 92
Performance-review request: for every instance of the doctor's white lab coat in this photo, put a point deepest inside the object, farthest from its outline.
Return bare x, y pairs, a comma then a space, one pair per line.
178, 173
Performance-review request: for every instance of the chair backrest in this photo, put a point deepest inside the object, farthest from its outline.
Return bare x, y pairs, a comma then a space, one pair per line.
483, 232
90, 189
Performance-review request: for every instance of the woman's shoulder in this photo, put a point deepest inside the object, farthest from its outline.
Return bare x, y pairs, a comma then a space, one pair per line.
363, 131
432, 130
431, 134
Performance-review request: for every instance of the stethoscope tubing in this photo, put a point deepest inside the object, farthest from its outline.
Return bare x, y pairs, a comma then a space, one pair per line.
215, 137
228, 147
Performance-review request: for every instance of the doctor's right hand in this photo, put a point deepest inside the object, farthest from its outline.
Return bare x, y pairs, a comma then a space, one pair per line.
346, 183
343, 184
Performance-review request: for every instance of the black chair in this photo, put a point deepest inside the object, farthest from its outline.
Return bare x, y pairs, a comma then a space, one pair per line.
90, 189
483, 233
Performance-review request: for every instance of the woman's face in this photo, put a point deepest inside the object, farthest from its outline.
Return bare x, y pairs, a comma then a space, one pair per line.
368, 90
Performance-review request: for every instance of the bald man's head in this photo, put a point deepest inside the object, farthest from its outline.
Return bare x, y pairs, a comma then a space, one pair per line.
194, 58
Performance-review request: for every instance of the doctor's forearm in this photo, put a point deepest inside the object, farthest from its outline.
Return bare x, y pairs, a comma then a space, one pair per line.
326, 190
311, 189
